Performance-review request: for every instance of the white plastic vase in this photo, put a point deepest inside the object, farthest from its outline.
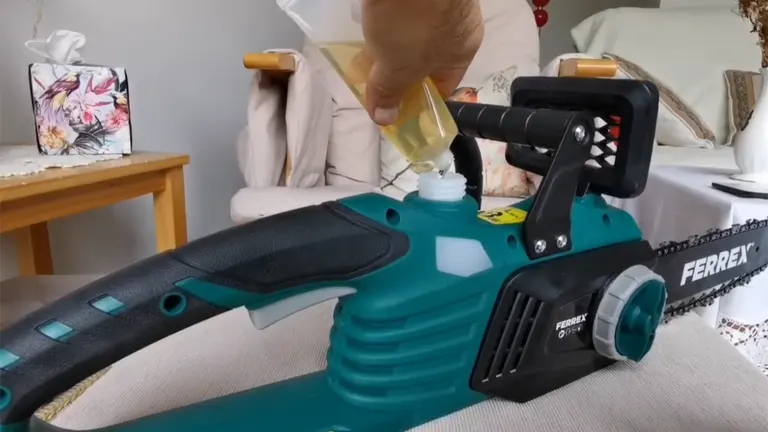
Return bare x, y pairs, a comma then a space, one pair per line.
750, 145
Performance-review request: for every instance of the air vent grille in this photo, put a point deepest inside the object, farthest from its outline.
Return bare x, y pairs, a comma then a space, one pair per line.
513, 335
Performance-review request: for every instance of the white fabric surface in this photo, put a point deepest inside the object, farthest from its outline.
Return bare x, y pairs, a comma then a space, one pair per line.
286, 138
690, 62
353, 143
679, 202
254, 203
19, 160
666, 4
670, 128
693, 381
720, 157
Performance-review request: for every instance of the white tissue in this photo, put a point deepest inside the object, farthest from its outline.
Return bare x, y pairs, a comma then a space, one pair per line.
61, 47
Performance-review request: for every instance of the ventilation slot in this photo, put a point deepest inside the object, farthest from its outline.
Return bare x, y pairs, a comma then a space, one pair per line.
515, 331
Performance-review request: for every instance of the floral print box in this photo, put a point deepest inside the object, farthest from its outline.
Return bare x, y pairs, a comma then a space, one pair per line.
80, 109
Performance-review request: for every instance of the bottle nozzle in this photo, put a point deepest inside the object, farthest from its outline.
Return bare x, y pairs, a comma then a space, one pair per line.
444, 161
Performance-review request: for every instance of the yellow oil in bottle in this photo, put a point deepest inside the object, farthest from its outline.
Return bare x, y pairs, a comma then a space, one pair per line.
424, 128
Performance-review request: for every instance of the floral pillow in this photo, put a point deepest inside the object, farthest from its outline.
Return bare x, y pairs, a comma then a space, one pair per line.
499, 178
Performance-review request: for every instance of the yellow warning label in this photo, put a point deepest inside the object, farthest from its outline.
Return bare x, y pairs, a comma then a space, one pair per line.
503, 216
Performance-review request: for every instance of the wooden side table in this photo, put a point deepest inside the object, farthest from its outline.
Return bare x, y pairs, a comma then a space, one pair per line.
28, 202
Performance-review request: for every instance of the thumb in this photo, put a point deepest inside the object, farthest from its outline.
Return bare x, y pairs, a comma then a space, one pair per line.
384, 92
447, 81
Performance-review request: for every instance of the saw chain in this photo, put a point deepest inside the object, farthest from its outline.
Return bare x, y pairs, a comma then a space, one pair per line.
708, 298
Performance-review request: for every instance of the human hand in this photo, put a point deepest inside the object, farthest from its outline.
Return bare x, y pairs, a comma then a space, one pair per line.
409, 40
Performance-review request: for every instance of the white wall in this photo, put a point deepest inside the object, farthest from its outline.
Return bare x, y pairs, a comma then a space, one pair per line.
566, 14
188, 95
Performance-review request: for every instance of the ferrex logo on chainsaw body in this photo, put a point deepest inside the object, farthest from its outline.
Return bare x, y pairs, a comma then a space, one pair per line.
714, 264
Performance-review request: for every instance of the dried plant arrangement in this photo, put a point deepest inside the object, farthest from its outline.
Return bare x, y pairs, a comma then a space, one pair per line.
756, 11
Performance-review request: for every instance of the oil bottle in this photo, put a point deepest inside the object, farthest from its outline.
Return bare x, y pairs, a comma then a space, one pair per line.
424, 129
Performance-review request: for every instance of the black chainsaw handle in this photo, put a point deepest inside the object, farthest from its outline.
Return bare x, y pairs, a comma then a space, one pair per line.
60, 345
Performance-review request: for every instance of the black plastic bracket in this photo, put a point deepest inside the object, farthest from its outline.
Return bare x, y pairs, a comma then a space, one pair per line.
547, 228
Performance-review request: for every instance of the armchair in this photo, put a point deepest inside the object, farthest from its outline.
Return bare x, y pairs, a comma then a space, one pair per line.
308, 140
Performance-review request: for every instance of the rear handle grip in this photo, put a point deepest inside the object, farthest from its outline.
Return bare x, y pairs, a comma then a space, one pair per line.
253, 265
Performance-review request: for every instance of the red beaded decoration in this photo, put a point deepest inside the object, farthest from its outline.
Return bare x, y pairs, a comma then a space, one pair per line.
539, 13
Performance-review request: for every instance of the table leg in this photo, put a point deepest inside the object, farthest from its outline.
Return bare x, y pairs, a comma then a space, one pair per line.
171, 212
33, 248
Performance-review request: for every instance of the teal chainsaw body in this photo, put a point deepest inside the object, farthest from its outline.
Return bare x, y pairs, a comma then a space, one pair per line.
403, 347
439, 307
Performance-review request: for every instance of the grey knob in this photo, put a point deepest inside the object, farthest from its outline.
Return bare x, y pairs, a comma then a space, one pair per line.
629, 314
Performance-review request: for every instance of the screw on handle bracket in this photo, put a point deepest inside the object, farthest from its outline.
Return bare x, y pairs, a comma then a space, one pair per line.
567, 133
547, 229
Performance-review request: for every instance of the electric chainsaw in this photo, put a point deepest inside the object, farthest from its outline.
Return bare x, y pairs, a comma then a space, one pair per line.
439, 306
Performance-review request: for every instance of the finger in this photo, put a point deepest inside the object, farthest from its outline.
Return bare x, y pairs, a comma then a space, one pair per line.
360, 67
385, 90
448, 81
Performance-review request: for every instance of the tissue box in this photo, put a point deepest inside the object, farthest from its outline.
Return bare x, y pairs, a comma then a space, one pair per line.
80, 109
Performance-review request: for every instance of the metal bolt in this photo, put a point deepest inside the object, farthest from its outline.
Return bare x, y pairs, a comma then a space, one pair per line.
540, 246
562, 241
579, 133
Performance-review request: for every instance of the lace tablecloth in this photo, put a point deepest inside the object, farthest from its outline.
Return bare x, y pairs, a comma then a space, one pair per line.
16, 160
679, 202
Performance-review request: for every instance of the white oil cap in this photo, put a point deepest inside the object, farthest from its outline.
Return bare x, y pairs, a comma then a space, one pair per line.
448, 188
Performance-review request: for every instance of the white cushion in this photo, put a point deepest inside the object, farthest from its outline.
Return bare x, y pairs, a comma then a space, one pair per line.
674, 123
511, 39
695, 3
687, 50
353, 144
308, 119
254, 203
286, 137
261, 145
692, 381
